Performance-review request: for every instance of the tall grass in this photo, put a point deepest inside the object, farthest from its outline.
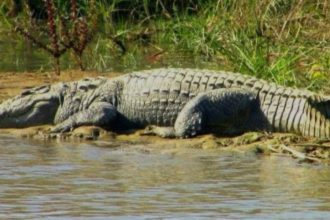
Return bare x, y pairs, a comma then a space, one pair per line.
274, 39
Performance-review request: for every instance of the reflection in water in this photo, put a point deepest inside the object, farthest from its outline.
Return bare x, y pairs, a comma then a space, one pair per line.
19, 56
84, 180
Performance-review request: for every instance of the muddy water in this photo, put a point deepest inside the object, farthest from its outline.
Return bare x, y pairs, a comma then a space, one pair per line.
78, 180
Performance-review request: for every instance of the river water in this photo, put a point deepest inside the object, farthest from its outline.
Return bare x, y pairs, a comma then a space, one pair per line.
18, 55
49, 180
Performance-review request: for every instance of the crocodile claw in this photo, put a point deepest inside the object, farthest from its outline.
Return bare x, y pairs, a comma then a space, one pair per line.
168, 132
61, 128
149, 130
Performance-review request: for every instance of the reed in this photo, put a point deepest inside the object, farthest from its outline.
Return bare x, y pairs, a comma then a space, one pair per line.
61, 34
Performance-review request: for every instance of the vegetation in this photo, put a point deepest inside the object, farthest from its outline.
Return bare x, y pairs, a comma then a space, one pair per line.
286, 41
62, 33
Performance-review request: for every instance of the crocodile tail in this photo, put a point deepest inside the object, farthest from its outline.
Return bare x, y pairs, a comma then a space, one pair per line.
317, 117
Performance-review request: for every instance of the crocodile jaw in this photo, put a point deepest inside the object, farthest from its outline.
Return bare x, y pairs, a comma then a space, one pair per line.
28, 110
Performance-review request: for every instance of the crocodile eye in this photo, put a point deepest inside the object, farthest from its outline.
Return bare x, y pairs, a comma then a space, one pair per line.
26, 92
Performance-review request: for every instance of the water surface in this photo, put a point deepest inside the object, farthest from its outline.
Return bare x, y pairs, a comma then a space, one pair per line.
20, 55
79, 180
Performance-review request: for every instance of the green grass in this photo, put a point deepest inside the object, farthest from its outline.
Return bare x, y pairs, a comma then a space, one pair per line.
285, 41
283, 50
4, 20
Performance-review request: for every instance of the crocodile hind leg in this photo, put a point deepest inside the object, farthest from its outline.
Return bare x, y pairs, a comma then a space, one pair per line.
98, 114
223, 111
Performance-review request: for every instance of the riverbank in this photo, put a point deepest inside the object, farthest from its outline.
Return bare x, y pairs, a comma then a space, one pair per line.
305, 149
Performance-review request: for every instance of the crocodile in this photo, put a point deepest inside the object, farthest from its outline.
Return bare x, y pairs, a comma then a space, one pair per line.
172, 102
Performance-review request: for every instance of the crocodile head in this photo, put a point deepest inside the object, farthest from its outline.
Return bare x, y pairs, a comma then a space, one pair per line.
36, 106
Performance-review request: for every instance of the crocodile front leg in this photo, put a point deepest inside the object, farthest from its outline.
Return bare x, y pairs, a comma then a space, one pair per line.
223, 110
98, 114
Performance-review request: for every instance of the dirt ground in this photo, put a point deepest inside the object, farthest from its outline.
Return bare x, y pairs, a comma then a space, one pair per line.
304, 149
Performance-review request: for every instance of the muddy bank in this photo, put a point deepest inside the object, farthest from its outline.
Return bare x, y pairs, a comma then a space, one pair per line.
304, 149
301, 148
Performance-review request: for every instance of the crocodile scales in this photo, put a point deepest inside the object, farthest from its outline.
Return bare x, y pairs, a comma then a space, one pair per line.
172, 102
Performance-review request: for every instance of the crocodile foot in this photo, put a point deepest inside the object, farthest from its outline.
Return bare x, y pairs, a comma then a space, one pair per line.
168, 132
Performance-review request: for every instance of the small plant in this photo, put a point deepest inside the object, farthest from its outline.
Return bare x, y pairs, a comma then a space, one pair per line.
81, 33
62, 34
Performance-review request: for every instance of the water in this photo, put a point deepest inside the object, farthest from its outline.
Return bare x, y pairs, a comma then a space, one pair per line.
80, 180
20, 55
